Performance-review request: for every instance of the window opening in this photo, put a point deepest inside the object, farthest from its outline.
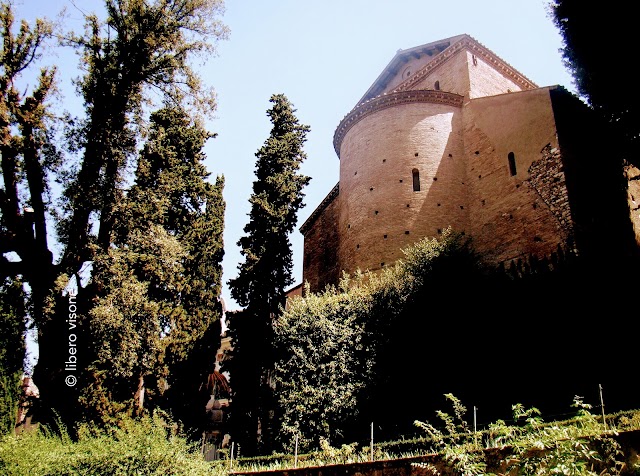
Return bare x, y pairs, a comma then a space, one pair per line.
512, 163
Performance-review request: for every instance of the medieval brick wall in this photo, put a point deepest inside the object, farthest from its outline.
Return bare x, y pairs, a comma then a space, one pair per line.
322, 239
380, 212
519, 168
451, 76
513, 210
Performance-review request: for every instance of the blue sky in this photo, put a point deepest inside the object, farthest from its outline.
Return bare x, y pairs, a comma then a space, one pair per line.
323, 55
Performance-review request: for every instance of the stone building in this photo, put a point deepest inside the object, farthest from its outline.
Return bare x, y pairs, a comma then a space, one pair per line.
451, 135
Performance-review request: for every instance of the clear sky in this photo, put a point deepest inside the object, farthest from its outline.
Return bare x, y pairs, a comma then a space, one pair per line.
323, 55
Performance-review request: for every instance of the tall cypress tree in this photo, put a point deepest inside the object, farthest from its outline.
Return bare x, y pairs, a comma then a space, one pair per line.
160, 281
265, 273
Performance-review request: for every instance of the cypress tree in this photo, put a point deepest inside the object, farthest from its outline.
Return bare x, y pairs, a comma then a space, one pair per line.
159, 283
265, 273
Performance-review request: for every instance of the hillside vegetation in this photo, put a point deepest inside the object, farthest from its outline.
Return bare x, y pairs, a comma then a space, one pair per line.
584, 445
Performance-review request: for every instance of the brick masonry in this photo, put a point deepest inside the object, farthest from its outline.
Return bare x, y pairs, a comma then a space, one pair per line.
492, 151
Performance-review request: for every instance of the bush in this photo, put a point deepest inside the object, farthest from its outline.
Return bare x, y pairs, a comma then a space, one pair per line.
146, 446
9, 399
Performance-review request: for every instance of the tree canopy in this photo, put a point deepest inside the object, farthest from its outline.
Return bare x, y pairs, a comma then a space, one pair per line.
595, 40
152, 239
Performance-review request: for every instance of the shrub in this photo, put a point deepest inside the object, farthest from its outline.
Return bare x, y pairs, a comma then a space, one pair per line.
145, 446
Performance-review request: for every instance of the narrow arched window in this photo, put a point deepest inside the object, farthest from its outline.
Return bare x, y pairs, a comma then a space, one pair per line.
437, 86
416, 180
512, 163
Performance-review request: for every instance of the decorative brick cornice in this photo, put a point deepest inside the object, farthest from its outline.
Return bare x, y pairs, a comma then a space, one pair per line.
470, 44
323, 204
387, 100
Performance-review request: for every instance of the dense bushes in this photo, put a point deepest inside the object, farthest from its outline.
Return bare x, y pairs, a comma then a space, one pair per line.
385, 347
146, 446
341, 352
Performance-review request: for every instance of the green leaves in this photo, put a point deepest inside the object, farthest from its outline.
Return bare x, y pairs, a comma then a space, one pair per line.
156, 247
332, 347
266, 271
277, 197
159, 282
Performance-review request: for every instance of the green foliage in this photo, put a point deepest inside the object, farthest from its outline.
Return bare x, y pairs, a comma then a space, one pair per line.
13, 324
9, 400
140, 46
330, 346
12, 351
583, 29
456, 443
147, 446
157, 247
530, 447
25, 164
265, 272
159, 282
579, 446
277, 196
321, 367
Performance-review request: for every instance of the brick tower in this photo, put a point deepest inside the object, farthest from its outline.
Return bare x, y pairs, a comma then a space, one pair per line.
449, 134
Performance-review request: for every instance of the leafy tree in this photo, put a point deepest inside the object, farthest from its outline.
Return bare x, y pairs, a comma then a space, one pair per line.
322, 366
592, 39
12, 349
342, 352
27, 159
160, 280
140, 52
266, 271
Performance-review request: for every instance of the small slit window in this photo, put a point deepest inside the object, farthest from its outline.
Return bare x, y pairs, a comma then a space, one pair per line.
416, 180
512, 163
436, 86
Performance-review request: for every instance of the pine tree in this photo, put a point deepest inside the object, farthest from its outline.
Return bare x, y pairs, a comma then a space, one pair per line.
265, 273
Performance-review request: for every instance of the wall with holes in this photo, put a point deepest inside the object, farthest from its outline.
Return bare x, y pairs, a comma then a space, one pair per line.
401, 178
518, 204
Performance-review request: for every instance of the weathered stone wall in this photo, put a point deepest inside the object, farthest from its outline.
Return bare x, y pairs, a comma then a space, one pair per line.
597, 187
